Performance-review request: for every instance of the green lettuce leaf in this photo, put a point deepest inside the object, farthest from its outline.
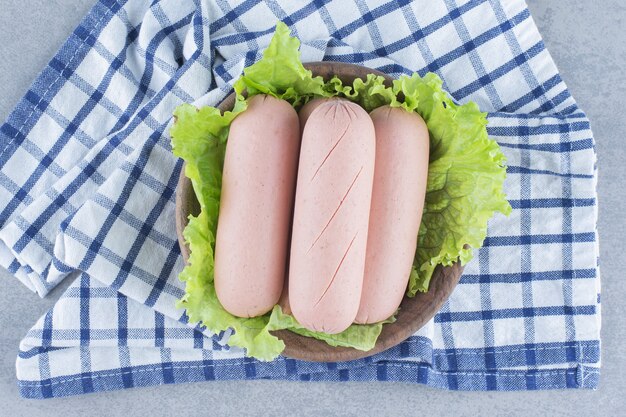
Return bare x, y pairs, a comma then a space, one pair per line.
466, 175
358, 336
369, 94
280, 73
464, 188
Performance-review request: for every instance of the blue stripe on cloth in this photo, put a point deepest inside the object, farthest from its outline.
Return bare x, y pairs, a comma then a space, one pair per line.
45, 388
529, 276
574, 115
552, 203
159, 330
512, 169
122, 319
563, 147
447, 332
571, 126
515, 356
488, 327
84, 310
85, 366
506, 313
526, 261
567, 252
538, 239
127, 371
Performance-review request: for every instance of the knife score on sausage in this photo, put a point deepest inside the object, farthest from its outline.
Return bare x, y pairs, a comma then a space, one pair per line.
258, 186
331, 216
308, 108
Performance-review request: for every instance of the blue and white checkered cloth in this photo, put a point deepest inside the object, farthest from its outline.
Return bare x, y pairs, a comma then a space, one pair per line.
87, 183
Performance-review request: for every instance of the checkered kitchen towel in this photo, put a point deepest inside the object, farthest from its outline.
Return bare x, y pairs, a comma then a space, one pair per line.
87, 183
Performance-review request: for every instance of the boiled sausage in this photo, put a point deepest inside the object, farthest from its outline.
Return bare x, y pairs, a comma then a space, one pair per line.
402, 145
256, 203
331, 216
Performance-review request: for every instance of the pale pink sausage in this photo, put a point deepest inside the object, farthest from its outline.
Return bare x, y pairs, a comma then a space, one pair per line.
333, 196
258, 187
402, 145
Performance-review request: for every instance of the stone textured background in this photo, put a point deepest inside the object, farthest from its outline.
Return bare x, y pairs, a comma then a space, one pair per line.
588, 43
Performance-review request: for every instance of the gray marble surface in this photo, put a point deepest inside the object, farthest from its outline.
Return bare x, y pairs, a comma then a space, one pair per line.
588, 43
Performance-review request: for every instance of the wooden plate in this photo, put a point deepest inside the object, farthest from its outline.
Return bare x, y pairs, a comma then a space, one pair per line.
414, 312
